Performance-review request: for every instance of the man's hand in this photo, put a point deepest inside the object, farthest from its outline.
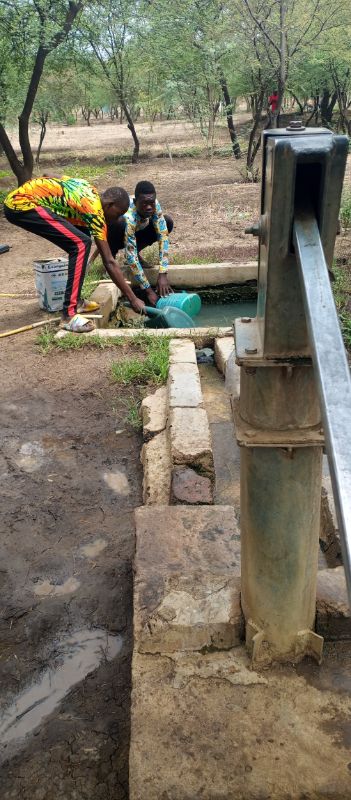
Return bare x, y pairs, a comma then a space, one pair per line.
152, 297
163, 287
137, 305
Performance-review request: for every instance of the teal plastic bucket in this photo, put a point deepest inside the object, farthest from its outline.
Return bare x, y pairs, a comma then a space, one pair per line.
189, 302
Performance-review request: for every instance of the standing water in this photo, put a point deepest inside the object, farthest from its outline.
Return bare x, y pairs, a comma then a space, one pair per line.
223, 314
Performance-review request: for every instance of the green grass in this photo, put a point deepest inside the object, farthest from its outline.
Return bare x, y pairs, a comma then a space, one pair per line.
6, 173
150, 254
3, 194
133, 416
342, 295
91, 172
345, 210
151, 366
75, 341
96, 272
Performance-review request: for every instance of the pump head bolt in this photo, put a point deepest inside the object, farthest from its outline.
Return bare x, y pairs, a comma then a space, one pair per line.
245, 319
295, 125
251, 350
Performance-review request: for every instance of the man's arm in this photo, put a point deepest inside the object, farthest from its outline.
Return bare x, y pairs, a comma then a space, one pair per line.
116, 275
161, 229
132, 259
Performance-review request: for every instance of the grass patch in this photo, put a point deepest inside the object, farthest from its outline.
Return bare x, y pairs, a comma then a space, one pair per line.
342, 295
6, 173
345, 211
91, 172
177, 258
151, 255
96, 272
133, 416
151, 366
75, 341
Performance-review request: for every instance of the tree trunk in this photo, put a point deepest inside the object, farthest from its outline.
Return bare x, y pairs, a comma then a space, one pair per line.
229, 115
131, 127
283, 68
296, 100
24, 171
327, 107
19, 170
43, 120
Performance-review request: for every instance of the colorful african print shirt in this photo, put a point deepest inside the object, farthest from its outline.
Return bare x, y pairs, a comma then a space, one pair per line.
136, 223
74, 199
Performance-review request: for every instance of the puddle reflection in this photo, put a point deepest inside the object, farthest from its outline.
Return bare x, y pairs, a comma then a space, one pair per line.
81, 653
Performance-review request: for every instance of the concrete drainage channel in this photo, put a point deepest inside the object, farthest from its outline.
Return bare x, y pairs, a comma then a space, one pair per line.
204, 723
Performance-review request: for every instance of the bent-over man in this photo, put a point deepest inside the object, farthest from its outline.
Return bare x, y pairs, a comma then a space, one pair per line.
67, 211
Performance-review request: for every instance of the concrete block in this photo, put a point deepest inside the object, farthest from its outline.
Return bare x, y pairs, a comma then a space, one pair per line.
187, 579
226, 455
195, 276
202, 336
190, 440
207, 727
223, 349
182, 351
196, 613
182, 540
154, 412
232, 377
189, 487
184, 389
333, 617
216, 399
155, 458
107, 295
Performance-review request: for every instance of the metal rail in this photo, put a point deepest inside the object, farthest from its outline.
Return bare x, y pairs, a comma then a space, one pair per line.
331, 369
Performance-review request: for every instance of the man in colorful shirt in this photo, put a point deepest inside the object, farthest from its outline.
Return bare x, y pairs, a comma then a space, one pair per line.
67, 211
143, 224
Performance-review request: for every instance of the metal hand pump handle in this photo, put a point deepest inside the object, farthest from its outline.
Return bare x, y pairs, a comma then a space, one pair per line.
332, 371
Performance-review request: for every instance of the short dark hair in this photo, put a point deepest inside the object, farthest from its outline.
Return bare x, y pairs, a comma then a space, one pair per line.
115, 194
144, 187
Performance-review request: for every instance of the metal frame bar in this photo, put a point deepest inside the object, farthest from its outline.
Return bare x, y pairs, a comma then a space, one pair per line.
331, 369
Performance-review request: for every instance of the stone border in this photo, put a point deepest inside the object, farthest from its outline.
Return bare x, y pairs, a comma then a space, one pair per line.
196, 276
107, 295
203, 337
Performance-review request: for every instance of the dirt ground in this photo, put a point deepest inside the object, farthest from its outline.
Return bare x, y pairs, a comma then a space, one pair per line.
70, 480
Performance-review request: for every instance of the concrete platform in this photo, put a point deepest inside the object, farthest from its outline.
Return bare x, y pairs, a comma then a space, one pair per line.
210, 728
191, 276
187, 579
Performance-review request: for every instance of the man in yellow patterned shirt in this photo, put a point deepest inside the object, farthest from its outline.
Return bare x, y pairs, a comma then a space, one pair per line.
67, 211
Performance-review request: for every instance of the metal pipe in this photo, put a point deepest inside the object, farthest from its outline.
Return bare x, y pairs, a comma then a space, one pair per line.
331, 369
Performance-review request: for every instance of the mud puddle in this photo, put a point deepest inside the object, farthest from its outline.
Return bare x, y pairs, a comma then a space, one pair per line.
80, 654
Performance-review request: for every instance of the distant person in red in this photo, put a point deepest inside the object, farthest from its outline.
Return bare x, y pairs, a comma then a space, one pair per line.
273, 102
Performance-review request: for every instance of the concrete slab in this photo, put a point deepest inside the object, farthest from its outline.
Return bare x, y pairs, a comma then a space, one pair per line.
182, 539
107, 295
210, 728
190, 440
154, 412
192, 276
226, 455
182, 351
184, 389
203, 337
333, 617
191, 488
156, 461
223, 349
216, 399
187, 581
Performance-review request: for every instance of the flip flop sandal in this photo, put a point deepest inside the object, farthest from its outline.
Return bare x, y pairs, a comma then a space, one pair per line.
78, 324
88, 306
